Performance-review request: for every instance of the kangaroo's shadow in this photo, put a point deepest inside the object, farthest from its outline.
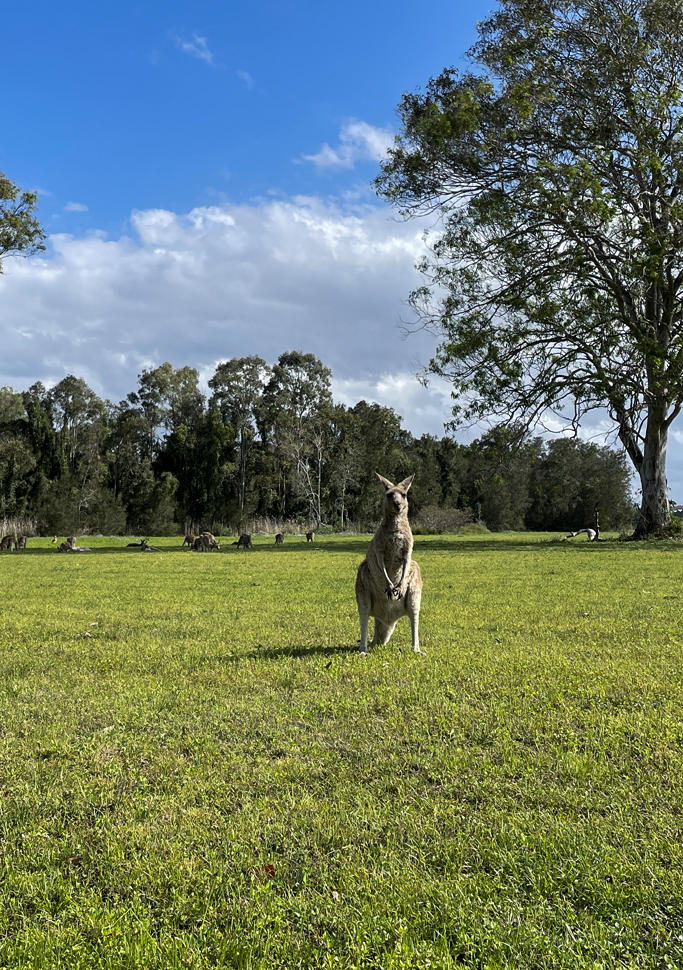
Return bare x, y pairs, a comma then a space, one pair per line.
274, 653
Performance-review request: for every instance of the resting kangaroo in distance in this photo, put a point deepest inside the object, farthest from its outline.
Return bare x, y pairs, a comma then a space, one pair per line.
389, 583
8, 542
244, 540
310, 536
279, 539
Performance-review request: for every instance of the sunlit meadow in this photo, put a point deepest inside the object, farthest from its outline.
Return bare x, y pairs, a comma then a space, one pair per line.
197, 769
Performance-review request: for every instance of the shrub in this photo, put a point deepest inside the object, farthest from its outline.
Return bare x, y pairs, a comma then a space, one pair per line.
433, 520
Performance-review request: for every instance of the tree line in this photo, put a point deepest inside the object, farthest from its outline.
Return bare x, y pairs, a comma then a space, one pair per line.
269, 441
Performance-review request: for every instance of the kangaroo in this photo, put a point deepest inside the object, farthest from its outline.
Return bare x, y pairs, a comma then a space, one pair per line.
207, 542
189, 540
310, 536
145, 547
69, 545
244, 540
21, 542
8, 542
279, 539
389, 583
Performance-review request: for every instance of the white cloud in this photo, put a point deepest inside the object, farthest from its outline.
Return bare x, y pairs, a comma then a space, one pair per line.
75, 207
358, 141
225, 281
197, 47
246, 76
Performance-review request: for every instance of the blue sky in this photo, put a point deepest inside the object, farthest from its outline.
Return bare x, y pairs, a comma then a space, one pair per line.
170, 105
204, 173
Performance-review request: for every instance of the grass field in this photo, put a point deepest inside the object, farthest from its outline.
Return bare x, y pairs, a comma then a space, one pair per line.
198, 770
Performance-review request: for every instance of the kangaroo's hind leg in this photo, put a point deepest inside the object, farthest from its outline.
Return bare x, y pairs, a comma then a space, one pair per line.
413, 610
364, 601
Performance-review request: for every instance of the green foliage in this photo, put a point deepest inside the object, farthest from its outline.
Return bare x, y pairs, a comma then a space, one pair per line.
20, 232
165, 460
555, 281
198, 770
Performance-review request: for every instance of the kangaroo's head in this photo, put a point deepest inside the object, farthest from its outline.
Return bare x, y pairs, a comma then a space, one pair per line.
396, 496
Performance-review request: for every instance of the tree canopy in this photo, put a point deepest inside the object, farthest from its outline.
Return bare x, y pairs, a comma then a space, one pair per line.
556, 164
20, 232
271, 443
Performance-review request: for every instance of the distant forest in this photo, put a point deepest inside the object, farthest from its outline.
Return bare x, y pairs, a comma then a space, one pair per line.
269, 441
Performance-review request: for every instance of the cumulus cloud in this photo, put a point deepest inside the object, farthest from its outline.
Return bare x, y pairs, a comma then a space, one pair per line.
197, 47
225, 281
75, 207
358, 141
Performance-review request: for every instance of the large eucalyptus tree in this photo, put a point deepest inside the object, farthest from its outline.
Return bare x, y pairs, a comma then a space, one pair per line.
556, 165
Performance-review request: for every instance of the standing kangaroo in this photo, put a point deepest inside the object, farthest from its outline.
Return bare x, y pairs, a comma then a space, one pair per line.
389, 583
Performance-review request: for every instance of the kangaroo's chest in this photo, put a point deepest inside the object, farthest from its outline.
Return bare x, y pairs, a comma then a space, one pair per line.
397, 545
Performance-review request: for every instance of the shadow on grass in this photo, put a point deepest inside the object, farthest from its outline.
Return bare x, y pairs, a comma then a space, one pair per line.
274, 653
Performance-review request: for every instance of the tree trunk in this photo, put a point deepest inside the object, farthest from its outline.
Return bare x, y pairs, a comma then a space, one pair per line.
654, 509
243, 472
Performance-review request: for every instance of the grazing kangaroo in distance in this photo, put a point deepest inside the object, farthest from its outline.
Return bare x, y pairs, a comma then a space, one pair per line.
279, 539
8, 542
389, 583
21, 542
189, 540
310, 536
208, 542
244, 540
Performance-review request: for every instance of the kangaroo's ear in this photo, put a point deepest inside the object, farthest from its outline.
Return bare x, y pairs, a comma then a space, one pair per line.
406, 483
385, 481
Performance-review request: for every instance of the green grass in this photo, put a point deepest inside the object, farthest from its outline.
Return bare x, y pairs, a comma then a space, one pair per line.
198, 770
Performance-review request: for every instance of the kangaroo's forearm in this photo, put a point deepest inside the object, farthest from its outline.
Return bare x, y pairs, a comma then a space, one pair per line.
383, 568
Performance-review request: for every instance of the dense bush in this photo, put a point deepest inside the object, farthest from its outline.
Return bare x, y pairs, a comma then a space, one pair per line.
432, 520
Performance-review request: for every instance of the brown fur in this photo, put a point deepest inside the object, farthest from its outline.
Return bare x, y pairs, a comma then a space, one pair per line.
189, 540
244, 540
21, 542
310, 536
279, 539
8, 542
207, 542
389, 583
